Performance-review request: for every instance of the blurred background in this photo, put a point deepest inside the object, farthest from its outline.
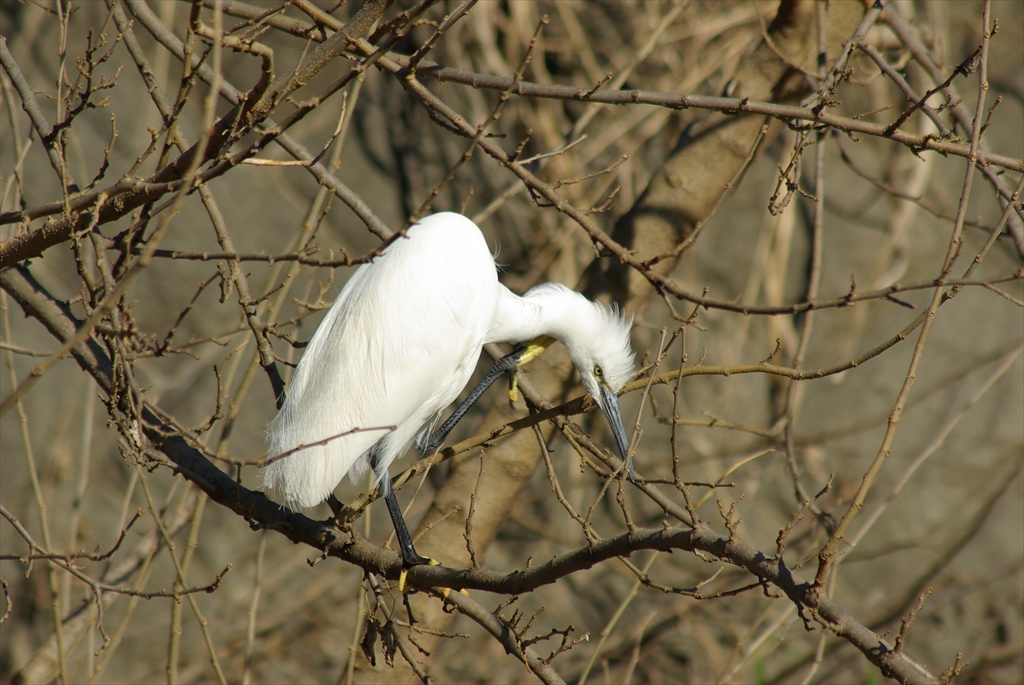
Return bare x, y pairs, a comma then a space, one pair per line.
694, 194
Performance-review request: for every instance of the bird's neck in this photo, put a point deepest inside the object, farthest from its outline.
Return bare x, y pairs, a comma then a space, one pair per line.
521, 319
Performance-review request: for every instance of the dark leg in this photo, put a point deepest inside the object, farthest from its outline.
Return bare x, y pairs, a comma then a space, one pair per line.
506, 365
409, 555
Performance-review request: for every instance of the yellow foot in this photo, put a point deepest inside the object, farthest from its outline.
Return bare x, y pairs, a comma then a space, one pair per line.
404, 575
534, 349
531, 352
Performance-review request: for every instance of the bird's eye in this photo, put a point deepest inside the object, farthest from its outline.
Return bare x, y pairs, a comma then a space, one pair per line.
598, 373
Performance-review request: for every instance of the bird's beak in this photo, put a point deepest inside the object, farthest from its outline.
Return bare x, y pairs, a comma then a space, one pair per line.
610, 405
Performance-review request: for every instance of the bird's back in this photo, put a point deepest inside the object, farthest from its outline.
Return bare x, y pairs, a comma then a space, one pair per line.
396, 347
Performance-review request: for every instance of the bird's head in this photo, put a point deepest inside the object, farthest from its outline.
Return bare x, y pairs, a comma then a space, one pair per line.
604, 359
597, 339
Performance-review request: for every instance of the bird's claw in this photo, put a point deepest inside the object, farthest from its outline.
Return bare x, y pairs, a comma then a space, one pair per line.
404, 575
406, 565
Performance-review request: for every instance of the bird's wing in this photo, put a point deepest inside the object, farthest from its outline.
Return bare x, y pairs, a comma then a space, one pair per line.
397, 346
320, 412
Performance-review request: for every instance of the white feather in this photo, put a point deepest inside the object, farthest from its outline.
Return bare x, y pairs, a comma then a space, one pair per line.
400, 343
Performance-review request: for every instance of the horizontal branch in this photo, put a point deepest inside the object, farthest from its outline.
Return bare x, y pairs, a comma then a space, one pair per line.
790, 113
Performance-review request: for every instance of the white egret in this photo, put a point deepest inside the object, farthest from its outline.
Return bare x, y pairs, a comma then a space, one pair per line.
400, 343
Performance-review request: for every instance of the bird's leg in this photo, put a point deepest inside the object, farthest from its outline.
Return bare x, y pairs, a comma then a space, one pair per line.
409, 556
337, 508
508, 364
